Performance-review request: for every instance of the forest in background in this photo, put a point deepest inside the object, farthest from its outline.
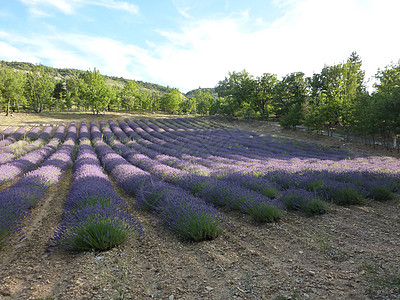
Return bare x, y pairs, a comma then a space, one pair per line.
334, 99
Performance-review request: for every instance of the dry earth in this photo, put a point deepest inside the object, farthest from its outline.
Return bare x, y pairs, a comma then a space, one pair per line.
350, 253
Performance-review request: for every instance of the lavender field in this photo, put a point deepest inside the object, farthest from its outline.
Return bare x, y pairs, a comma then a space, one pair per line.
193, 176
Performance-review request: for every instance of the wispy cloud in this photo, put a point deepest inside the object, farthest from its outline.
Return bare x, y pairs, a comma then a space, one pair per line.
37, 7
311, 33
78, 51
203, 51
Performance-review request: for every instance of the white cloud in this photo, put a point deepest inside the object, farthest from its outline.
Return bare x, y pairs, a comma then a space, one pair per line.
10, 53
310, 34
76, 51
69, 6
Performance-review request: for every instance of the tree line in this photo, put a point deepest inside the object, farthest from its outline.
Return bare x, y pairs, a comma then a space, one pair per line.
336, 97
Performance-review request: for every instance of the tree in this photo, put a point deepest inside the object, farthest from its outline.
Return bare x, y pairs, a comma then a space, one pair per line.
130, 98
74, 85
203, 101
11, 87
291, 93
39, 89
265, 91
170, 101
354, 88
95, 93
238, 90
388, 100
60, 94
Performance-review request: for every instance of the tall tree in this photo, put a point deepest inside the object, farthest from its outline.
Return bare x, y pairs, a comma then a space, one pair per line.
265, 91
11, 87
95, 93
291, 93
238, 89
171, 101
39, 88
354, 88
388, 100
130, 98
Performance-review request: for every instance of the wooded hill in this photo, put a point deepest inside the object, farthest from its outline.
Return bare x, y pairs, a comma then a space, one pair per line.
65, 73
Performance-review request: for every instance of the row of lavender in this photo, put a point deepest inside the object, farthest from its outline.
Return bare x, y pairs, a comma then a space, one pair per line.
379, 176
210, 189
14, 148
340, 180
16, 202
186, 215
94, 214
173, 167
258, 203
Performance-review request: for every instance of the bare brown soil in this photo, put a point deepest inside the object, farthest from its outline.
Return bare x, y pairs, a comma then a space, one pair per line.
349, 253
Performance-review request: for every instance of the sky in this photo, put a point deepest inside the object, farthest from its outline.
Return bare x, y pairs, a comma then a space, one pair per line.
188, 44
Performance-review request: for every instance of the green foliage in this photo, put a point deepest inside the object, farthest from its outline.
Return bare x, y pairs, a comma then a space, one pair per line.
264, 212
291, 90
130, 99
238, 90
293, 117
198, 227
265, 92
315, 207
102, 234
11, 88
171, 101
380, 193
94, 92
347, 195
39, 88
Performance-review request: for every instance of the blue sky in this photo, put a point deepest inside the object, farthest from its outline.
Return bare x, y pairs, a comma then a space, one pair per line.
190, 44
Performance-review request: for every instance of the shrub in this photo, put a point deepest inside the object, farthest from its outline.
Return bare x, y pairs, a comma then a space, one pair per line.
380, 192
346, 194
96, 227
302, 200
262, 211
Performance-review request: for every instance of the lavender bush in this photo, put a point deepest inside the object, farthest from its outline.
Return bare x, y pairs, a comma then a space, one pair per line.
16, 201
94, 216
189, 217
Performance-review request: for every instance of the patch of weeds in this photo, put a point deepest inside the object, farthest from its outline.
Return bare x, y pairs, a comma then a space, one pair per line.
377, 210
347, 195
380, 193
117, 277
382, 285
324, 242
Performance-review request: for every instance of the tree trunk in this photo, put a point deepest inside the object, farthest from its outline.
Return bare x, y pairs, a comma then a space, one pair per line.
8, 108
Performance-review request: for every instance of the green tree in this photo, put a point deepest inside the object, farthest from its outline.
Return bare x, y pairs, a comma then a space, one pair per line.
11, 87
291, 93
74, 85
39, 89
388, 100
238, 90
188, 105
203, 101
354, 88
265, 92
130, 98
171, 101
115, 95
95, 93
60, 94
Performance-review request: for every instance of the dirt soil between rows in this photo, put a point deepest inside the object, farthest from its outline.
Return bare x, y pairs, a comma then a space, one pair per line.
350, 253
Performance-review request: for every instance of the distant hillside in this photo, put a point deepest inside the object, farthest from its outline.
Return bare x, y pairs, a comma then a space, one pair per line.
66, 73
204, 90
